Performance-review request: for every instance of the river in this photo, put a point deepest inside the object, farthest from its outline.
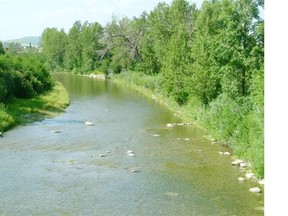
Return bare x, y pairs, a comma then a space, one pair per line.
61, 166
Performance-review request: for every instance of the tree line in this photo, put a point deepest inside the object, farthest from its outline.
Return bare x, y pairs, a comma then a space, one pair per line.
207, 52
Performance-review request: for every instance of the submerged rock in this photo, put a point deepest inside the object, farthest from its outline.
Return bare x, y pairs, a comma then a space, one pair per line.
134, 170
172, 194
255, 190
70, 162
1, 134
56, 131
227, 153
102, 155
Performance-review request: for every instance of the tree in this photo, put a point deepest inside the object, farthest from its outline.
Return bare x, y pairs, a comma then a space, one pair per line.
2, 51
90, 36
54, 45
73, 57
122, 39
177, 54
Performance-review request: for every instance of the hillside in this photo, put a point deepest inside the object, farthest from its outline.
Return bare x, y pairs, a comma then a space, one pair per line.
25, 41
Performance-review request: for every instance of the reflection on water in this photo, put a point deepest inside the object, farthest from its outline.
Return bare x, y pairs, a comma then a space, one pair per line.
85, 170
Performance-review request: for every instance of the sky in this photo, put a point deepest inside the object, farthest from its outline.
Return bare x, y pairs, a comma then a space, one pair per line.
19, 18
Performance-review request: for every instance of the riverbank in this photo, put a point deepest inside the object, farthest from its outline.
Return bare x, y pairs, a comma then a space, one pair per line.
226, 123
24, 111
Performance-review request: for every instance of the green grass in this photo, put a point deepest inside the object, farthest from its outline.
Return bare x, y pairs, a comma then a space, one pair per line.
23, 111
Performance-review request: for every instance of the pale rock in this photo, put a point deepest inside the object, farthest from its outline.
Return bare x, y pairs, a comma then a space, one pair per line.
241, 179
169, 125
255, 190
130, 152
242, 164
134, 170
87, 123
227, 153
221, 153
237, 162
249, 175
261, 182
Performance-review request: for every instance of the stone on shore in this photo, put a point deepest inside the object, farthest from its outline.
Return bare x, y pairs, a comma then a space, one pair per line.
249, 175
261, 182
169, 125
237, 162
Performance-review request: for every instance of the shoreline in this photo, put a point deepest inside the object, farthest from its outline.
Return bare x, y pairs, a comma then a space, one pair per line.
25, 111
188, 120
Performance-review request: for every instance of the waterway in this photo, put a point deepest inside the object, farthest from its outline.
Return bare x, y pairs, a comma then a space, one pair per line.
61, 166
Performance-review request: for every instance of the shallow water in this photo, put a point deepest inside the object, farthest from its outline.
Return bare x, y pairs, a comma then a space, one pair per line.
85, 170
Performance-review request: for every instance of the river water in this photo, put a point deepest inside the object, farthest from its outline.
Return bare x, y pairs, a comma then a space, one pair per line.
86, 170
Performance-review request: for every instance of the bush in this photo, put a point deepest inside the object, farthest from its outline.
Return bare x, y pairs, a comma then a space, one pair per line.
23, 77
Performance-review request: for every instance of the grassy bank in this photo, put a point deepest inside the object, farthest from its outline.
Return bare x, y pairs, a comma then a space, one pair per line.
239, 126
23, 111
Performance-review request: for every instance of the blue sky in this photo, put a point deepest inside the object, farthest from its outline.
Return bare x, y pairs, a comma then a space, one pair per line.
19, 18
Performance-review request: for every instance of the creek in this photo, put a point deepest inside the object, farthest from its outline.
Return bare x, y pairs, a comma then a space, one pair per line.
60, 166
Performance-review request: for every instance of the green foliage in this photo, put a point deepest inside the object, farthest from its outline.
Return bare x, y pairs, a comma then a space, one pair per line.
5, 119
54, 44
22, 77
2, 51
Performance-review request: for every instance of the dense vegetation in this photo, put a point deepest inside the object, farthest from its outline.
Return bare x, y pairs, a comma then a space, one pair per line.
208, 61
21, 76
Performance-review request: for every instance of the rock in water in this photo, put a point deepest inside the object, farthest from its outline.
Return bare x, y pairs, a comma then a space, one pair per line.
241, 179
255, 190
169, 125
87, 123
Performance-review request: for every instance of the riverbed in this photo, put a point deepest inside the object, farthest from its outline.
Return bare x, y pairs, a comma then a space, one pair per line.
127, 163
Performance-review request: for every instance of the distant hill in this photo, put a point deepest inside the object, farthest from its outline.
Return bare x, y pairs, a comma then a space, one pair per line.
25, 41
